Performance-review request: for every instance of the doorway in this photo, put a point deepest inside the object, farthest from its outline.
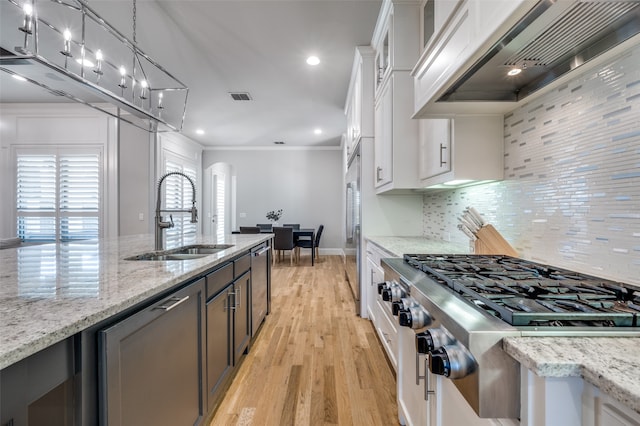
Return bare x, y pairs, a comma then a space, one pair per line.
218, 200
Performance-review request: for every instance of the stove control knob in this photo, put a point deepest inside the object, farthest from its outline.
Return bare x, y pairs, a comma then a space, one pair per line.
382, 286
432, 339
402, 305
397, 293
452, 361
386, 294
415, 317
396, 307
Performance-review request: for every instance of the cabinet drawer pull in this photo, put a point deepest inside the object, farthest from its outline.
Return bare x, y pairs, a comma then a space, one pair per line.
442, 148
378, 173
237, 298
176, 301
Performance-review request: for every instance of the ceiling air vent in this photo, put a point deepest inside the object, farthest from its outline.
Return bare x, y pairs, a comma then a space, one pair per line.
240, 96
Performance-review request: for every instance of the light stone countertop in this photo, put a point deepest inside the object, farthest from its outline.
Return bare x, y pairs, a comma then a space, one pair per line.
50, 292
398, 246
612, 364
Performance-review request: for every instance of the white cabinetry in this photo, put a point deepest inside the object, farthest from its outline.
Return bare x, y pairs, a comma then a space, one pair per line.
462, 32
396, 44
396, 136
599, 409
359, 104
379, 310
461, 150
396, 38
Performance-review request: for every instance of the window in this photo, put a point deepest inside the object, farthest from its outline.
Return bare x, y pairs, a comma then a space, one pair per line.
58, 193
178, 196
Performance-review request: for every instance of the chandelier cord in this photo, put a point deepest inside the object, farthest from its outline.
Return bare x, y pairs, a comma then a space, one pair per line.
134, 22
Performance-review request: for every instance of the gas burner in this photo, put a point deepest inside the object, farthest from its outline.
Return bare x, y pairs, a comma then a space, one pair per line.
525, 293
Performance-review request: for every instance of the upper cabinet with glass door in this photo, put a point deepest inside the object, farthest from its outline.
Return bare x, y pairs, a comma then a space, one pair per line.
395, 39
396, 44
359, 103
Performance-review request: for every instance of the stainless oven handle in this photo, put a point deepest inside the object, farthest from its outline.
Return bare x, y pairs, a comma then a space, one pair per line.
424, 377
176, 301
261, 251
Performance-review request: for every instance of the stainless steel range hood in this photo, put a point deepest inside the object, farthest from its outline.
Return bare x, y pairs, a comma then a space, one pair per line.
555, 37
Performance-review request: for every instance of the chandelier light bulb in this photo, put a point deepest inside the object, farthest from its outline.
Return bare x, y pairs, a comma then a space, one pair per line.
67, 43
27, 23
98, 68
143, 89
160, 96
123, 76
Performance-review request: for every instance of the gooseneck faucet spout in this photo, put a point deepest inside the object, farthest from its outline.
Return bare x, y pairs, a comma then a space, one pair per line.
160, 224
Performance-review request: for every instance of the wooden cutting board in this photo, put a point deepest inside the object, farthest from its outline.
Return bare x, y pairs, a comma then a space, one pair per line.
491, 242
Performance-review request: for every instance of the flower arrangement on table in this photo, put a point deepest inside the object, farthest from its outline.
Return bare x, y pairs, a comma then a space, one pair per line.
274, 215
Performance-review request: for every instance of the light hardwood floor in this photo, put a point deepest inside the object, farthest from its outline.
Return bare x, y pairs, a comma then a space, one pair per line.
314, 361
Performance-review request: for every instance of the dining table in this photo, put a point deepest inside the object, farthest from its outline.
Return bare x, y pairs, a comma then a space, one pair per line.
297, 233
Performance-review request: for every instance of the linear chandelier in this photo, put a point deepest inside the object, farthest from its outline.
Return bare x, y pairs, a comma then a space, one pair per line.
66, 48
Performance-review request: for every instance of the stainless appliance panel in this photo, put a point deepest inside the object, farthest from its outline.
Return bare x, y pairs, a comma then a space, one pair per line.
352, 228
259, 282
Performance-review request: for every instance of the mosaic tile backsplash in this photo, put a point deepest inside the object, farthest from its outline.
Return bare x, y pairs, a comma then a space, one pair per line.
571, 192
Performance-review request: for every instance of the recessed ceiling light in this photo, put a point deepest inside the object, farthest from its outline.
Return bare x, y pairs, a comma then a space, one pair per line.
514, 71
200, 132
279, 142
18, 77
317, 131
313, 60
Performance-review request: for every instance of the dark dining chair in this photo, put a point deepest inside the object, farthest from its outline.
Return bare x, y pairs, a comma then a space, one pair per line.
283, 240
249, 230
265, 227
307, 243
292, 225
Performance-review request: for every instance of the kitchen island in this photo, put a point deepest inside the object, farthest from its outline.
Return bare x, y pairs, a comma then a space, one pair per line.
55, 299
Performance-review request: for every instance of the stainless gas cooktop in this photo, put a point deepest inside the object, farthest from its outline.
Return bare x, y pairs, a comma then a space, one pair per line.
525, 293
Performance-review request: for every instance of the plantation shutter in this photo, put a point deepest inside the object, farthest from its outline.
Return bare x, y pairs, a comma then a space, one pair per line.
178, 196
58, 195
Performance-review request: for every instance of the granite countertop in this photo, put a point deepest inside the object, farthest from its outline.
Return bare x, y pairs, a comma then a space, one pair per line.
612, 364
50, 292
398, 246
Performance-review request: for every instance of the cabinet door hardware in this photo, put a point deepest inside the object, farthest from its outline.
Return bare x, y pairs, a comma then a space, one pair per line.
442, 148
176, 301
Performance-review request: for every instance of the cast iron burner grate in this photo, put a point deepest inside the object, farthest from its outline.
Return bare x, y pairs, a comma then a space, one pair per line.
525, 293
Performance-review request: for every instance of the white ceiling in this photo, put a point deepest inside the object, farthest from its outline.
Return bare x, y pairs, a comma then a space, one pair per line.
256, 46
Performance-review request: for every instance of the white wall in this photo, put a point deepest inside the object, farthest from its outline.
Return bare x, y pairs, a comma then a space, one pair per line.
135, 177
571, 193
305, 183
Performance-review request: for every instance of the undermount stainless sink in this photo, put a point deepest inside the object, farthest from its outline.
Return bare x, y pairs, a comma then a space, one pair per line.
202, 249
182, 253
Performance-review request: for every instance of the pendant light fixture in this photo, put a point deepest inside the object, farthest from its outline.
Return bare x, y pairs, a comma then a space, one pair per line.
37, 38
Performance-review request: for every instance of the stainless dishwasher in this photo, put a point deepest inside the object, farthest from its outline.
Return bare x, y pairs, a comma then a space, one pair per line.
259, 285
151, 363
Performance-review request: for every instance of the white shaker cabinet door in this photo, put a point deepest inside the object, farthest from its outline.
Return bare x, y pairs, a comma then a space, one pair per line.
435, 147
383, 154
